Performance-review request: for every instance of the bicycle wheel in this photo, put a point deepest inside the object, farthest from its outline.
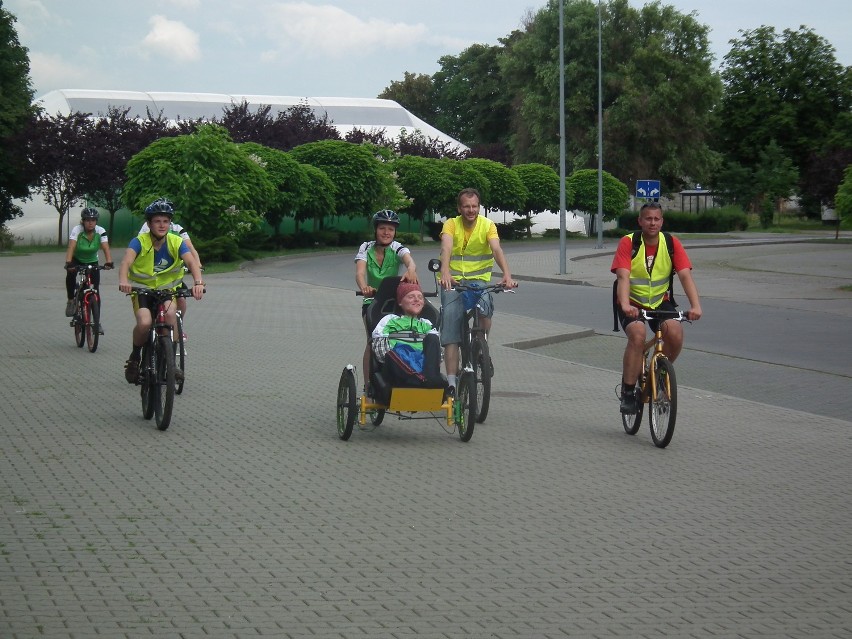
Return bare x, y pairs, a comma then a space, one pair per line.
91, 319
481, 362
165, 382
149, 388
180, 355
464, 406
632, 422
662, 410
377, 416
79, 327
346, 406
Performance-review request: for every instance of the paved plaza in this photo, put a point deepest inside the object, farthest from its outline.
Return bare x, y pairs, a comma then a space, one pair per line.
250, 518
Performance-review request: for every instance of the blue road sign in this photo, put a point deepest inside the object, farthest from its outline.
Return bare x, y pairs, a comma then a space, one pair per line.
648, 189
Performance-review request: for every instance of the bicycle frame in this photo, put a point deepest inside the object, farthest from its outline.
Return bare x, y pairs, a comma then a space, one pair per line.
85, 286
653, 350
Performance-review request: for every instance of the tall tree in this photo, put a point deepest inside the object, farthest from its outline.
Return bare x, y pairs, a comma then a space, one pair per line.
414, 92
542, 184
785, 87
583, 187
16, 112
287, 176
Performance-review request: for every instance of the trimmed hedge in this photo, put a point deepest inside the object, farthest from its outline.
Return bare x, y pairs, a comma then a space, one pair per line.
721, 220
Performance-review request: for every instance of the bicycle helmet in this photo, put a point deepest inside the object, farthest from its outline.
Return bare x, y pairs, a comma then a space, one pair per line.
159, 207
385, 216
89, 214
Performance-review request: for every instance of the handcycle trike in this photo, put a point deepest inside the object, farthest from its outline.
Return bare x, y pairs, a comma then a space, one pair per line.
404, 402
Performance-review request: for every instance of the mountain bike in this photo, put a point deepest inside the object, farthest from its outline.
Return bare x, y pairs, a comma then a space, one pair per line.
157, 370
657, 385
87, 312
180, 349
473, 350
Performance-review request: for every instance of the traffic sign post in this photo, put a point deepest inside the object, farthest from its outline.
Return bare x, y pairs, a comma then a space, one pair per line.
648, 189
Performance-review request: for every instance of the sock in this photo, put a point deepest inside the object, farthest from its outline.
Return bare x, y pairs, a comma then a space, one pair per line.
451, 380
136, 353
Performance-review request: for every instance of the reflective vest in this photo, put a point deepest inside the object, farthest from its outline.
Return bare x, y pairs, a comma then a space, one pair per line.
474, 261
649, 289
142, 269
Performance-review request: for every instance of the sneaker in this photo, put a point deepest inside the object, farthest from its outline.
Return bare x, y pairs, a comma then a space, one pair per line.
100, 329
450, 392
131, 371
629, 405
70, 307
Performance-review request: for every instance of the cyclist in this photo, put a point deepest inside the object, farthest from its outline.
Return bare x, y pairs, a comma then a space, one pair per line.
377, 259
644, 280
84, 241
179, 230
154, 260
469, 248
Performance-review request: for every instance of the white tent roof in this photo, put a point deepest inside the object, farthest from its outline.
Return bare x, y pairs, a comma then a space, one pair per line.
345, 114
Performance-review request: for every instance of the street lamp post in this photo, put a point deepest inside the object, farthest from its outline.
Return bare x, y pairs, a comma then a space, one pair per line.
562, 266
600, 136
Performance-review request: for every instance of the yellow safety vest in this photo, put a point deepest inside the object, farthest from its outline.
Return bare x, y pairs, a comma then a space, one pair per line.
142, 269
474, 261
649, 289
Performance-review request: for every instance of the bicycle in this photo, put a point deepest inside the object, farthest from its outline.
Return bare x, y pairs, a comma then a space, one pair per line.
180, 347
157, 370
657, 385
86, 320
473, 350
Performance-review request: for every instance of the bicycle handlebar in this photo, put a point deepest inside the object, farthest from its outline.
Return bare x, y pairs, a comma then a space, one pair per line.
488, 288
678, 316
161, 294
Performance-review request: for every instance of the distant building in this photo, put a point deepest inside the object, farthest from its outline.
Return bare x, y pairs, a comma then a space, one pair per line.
344, 114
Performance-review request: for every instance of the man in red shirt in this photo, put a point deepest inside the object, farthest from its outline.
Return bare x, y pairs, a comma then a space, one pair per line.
643, 282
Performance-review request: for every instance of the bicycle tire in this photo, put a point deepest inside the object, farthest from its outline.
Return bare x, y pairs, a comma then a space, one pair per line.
165, 381
180, 355
346, 404
149, 388
662, 409
79, 327
480, 360
632, 422
377, 417
464, 406
91, 318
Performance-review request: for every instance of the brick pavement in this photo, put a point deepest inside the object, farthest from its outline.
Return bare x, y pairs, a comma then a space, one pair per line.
248, 517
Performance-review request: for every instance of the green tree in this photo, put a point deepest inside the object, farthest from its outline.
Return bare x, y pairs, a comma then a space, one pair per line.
583, 186
506, 191
785, 87
320, 202
658, 90
358, 175
218, 190
775, 179
428, 183
289, 178
16, 112
542, 184
414, 92
843, 197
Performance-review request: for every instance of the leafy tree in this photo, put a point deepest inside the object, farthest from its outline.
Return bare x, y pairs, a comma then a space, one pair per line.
16, 114
583, 186
843, 197
427, 182
658, 90
320, 203
788, 88
506, 191
542, 184
289, 128
466, 175
358, 176
775, 178
217, 189
289, 178
414, 92
57, 150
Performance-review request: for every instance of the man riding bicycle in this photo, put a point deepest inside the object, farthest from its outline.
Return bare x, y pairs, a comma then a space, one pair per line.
154, 260
469, 248
644, 280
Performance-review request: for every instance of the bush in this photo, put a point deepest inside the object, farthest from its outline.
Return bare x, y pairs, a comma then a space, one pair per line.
721, 220
409, 239
219, 249
7, 240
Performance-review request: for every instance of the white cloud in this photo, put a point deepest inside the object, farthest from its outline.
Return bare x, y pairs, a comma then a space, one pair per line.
172, 39
181, 4
330, 31
54, 71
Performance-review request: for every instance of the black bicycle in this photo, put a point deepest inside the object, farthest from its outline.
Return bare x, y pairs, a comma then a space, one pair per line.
157, 370
474, 354
86, 320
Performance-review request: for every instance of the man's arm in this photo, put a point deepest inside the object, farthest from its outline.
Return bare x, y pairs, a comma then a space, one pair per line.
124, 270
622, 293
500, 258
195, 269
410, 274
688, 284
446, 254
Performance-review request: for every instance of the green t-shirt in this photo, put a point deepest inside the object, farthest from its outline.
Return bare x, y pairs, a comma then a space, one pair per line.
86, 251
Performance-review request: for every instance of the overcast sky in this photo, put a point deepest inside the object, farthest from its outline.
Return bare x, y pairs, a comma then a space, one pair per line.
335, 48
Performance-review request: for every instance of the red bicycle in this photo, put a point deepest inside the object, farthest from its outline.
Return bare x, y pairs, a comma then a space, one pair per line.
86, 320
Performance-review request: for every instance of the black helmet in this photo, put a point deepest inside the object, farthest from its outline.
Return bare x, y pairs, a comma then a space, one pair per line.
385, 216
89, 214
159, 207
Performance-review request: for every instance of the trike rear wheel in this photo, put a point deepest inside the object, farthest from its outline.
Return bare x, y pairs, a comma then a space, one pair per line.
346, 404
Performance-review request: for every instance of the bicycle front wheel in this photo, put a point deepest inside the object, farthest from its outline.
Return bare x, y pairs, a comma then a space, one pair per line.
464, 406
91, 320
662, 409
481, 362
632, 422
165, 382
149, 388
180, 355
79, 328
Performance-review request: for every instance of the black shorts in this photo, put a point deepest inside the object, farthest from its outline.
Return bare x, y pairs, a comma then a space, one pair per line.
666, 305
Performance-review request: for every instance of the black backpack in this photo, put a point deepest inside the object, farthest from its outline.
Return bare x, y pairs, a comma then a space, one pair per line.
636, 237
